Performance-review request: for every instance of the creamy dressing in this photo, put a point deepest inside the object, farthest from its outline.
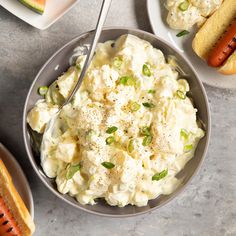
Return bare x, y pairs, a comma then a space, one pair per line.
196, 12
155, 124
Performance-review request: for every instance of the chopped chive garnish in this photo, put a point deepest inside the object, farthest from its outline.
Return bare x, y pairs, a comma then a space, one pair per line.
160, 175
117, 62
188, 148
146, 70
111, 130
145, 131
72, 170
183, 6
181, 94
148, 105
42, 90
182, 33
130, 146
134, 106
127, 80
147, 140
110, 140
151, 91
108, 165
184, 133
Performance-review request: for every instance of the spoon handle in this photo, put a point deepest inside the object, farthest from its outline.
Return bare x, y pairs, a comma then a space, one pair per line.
102, 17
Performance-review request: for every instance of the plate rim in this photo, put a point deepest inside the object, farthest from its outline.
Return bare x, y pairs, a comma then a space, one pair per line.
213, 85
23, 177
44, 27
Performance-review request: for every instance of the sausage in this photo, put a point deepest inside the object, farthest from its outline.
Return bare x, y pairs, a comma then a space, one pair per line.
8, 226
224, 48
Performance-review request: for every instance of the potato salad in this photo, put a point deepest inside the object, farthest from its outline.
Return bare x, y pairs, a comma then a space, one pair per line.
128, 131
183, 14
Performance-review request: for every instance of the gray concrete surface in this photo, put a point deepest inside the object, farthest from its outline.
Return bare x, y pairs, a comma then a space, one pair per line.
206, 208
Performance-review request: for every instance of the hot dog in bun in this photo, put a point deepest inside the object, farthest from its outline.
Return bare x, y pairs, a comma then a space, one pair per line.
215, 42
15, 219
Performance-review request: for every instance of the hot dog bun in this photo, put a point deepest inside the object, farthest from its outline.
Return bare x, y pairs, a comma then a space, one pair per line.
212, 30
12, 208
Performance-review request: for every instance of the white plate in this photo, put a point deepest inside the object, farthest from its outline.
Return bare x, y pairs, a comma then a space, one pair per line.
18, 178
157, 16
53, 11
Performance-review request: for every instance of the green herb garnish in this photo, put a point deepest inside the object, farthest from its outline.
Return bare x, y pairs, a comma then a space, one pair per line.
78, 67
147, 140
160, 175
130, 146
182, 33
72, 170
111, 130
108, 165
181, 94
151, 91
117, 62
110, 140
184, 133
146, 70
183, 6
134, 106
188, 148
127, 81
145, 131
148, 105
42, 90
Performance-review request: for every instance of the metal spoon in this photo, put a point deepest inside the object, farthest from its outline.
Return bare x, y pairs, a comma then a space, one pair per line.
102, 17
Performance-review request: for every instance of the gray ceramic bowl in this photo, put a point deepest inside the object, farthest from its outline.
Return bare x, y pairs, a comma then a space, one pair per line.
48, 74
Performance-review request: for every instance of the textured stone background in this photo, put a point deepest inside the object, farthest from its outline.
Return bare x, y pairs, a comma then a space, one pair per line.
206, 208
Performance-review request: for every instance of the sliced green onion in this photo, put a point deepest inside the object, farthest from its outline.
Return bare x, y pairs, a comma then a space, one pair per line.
117, 62
108, 165
181, 94
146, 70
134, 106
188, 148
110, 140
78, 67
123, 80
183, 6
152, 91
160, 175
145, 131
184, 133
183, 85
182, 33
111, 130
131, 81
72, 170
147, 140
127, 80
130, 146
148, 105
42, 90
